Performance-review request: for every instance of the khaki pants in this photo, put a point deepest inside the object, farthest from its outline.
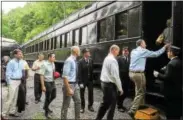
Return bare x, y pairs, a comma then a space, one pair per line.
66, 102
11, 101
140, 87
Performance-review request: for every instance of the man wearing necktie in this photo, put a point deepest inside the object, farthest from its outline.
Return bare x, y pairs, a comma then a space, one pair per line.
123, 62
85, 73
172, 77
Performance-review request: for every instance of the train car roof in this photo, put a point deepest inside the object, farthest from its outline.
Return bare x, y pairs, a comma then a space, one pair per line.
74, 16
8, 44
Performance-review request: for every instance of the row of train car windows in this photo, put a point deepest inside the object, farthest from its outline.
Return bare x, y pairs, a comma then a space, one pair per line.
110, 28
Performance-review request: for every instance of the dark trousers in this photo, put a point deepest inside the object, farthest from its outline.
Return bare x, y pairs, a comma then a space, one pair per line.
125, 85
173, 108
90, 95
109, 101
37, 87
50, 94
25, 86
21, 100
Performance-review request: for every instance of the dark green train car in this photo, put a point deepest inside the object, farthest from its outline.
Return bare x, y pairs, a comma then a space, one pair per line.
101, 24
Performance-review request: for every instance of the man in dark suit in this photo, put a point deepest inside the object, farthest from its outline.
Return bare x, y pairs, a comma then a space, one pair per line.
172, 78
85, 73
123, 62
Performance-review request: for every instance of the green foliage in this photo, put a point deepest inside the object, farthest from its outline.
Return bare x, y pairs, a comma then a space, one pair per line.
24, 23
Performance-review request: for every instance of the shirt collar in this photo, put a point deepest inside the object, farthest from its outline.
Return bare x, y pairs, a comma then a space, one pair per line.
173, 57
73, 57
16, 60
139, 47
86, 58
49, 62
111, 55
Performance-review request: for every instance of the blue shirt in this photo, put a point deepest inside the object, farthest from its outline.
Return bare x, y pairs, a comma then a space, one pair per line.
70, 69
139, 55
14, 70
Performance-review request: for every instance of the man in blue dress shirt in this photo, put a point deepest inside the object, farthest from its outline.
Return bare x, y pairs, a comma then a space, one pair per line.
13, 79
70, 79
136, 71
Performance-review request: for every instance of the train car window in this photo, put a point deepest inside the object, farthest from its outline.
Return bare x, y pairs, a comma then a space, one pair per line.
110, 28
55, 42
71, 37
51, 43
76, 37
41, 46
60, 41
65, 40
44, 45
92, 33
48, 44
31, 48
134, 20
102, 30
121, 25
69, 42
37, 47
84, 39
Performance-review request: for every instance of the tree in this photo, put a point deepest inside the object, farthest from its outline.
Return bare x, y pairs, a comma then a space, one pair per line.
24, 23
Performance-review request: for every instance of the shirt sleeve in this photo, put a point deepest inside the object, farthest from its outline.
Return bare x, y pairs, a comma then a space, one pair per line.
168, 73
115, 73
34, 65
43, 69
66, 69
147, 53
26, 66
9, 71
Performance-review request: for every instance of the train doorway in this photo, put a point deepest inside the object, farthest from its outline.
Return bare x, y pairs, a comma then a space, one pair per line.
154, 17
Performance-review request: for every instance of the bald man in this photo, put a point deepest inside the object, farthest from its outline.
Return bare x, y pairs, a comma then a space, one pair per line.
69, 76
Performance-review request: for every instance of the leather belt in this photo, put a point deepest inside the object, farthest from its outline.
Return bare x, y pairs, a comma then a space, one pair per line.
137, 71
15, 78
37, 74
72, 82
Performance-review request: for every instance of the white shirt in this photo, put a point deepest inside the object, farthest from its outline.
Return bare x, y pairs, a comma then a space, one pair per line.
173, 57
110, 71
39, 64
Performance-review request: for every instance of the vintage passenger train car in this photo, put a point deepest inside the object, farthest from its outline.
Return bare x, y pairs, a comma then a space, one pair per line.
101, 24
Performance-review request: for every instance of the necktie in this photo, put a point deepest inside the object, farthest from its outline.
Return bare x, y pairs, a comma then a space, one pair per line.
126, 59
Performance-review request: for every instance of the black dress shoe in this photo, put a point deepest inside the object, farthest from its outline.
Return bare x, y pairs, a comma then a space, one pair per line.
121, 109
36, 102
82, 111
91, 109
49, 111
14, 115
47, 115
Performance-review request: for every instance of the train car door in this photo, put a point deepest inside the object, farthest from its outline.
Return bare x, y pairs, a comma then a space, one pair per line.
177, 17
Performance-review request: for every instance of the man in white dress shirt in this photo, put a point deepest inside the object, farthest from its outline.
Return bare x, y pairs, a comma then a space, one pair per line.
111, 83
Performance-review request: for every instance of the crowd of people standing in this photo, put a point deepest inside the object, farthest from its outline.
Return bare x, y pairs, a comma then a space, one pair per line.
116, 74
